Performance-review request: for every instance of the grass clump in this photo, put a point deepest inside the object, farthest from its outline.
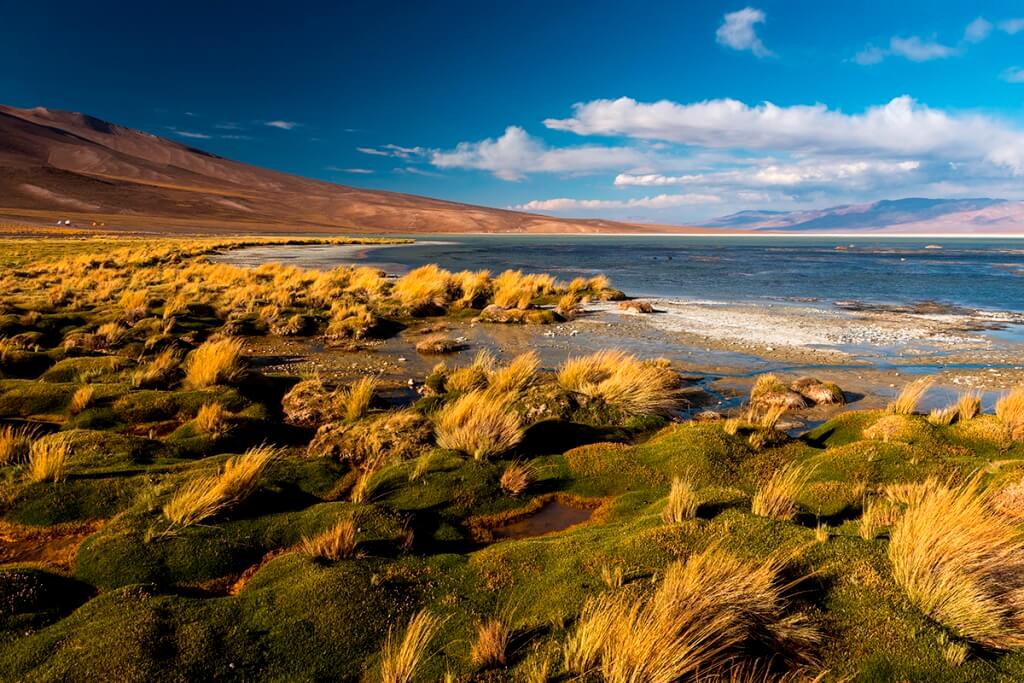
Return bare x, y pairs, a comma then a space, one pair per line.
402, 657
910, 395
492, 640
207, 496
214, 362
961, 562
213, 419
337, 543
48, 458
624, 382
437, 345
776, 498
516, 377
354, 402
683, 501
1010, 410
517, 477
478, 425
704, 608
968, 406
81, 399
15, 444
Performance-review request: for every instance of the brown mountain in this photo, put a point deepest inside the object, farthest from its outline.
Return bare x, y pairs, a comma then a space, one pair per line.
57, 164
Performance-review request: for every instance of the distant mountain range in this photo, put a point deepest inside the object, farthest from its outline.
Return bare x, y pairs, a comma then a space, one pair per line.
58, 165
911, 216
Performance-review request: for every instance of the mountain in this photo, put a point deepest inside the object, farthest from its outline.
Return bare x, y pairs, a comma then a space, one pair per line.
911, 215
64, 165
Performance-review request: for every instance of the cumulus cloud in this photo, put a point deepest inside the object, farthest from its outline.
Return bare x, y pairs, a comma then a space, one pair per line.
661, 201
738, 31
901, 128
516, 153
978, 30
283, 125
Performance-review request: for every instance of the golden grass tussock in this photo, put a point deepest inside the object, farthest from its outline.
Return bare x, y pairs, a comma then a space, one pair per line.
474, 287
961, 562
213, 419
214, 362
705, 608
48, 458
478, 425
354, 401
942, 416
769, 390
402, 655
517, 477
968, 405
15, 443
776, 498
81, 399
426, 287
515, 378
683, 501
374, 462
336, 543
1010, 410
206, 496
134, 303
492, 640
879, 514
910, 396
158, 371
624, 382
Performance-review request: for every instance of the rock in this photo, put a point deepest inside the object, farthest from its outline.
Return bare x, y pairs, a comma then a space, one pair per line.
308, 404
401, 435
636, 306
818, 392
439, 344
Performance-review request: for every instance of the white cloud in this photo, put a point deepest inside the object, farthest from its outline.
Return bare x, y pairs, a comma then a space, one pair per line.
870, 55
356, 171
516, 153
1014, 74
661, 201
918, 50
978, 30
191, 134
1012, 26
901, 128
396, 151
283, 125
737, 31
412, 170
782, 175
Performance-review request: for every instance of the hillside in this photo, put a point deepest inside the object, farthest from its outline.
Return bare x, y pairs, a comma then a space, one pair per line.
57, 164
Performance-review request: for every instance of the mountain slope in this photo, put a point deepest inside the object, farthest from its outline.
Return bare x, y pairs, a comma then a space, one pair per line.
911, 215
56, 164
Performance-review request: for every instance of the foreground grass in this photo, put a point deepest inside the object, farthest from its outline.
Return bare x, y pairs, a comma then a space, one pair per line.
218, 523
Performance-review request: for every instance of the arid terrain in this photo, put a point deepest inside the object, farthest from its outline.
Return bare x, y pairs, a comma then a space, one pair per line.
57, 165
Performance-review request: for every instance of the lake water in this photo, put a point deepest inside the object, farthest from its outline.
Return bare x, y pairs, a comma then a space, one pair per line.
975, 273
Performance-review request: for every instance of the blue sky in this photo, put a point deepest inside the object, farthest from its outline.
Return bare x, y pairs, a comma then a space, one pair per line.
660, 112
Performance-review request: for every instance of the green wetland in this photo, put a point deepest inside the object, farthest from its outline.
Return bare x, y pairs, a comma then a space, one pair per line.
470, 491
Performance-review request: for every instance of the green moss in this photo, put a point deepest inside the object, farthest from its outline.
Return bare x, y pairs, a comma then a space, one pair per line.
88, 369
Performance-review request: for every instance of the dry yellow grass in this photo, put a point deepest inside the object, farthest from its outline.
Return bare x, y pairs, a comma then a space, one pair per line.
683, 501
134, 303
15, 443
214, 362
516, 377
402, 656
776, 498
355, 400
968, 405
212, 419
48, 458
478, 425
208, 495
373, 463
705, 607
961, 562
1010, 410
517, 477
878, 515
622, 381
910, 395
424, 288
337, 543
492, 639
158, 371
81, 399
943, 416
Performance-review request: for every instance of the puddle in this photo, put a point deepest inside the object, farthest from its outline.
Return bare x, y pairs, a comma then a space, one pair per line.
551, 517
